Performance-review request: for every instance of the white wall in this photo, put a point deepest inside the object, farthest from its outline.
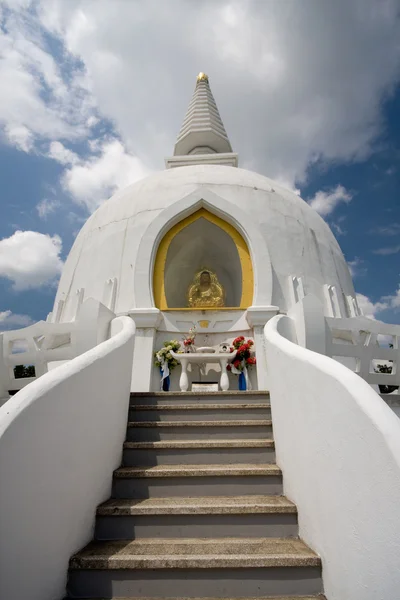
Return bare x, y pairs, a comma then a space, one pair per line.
338, 445
61, 438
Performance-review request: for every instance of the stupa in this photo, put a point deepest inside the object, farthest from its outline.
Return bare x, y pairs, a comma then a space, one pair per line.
288, 487
139, 252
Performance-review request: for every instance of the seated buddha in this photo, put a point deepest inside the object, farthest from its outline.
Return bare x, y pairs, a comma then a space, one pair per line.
206, 291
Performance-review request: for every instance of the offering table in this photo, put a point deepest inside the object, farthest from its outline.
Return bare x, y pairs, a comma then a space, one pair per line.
204, 357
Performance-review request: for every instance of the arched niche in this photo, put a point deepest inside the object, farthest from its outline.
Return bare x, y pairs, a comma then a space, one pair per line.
202, 240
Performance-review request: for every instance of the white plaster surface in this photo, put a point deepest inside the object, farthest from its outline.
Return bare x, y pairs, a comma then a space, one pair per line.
206, 321
4, 399
283, 234
60, 440
338, 445
143, 360
4, 376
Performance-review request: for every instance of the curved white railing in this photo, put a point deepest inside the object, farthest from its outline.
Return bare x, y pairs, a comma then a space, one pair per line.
43, 343
338, 445
61, 437
35, 345
358, 338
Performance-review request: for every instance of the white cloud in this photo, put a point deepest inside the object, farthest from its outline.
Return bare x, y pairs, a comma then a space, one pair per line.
92, 121
288, 92
46, 207
393, 300
388, 250
30, 259
10, 320
356, 267
295, 82
41, 97
368, 308
338, 229
387, 230
19, 136
326, 202
309, 96
61, 154
92, 181
372, 309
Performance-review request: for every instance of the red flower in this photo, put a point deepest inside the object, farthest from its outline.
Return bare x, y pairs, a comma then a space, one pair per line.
231, 349
243, 353
229, 367
243, 348
237, 341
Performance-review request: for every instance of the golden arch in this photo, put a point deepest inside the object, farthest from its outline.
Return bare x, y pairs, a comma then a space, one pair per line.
242, 248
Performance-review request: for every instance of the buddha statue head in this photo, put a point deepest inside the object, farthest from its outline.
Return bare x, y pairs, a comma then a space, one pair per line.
206, 291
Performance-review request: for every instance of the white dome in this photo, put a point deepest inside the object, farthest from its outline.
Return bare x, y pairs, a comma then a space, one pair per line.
111, 244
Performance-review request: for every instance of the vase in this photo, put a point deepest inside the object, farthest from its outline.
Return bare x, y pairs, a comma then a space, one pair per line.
166, 382
242, 382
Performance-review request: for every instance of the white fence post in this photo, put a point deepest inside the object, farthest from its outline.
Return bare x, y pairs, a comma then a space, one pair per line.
308, 315
4, 376
257, 317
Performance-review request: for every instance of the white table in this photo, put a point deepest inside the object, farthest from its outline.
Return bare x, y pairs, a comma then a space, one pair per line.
204, 357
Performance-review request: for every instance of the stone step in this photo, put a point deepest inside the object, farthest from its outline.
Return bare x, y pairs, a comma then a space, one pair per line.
199, 412
230, 397
318, 597
142, 431
247, 516
196, 480
198, 452
219, 567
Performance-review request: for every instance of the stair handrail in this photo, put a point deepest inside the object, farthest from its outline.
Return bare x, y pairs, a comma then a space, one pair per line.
338, 445
61, 437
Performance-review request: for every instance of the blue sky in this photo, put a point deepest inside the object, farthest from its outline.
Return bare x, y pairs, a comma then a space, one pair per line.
93, 95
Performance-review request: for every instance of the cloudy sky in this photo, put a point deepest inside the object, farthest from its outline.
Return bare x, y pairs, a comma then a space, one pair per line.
93, 93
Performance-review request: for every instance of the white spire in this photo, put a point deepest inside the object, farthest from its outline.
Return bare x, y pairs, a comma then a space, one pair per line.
202, 138
202, 131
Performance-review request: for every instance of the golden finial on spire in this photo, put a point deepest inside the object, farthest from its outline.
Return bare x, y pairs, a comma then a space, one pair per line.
202, 77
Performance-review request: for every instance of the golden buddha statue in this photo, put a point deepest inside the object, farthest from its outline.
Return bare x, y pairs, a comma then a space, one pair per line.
206, 291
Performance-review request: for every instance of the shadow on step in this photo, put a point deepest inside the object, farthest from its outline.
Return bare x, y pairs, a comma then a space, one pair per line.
195, 583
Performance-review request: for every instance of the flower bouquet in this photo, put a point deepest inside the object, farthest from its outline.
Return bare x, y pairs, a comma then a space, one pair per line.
166, 362
242, 360
188, 341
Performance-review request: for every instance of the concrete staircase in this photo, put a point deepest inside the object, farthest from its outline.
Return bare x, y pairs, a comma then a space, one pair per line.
197, 510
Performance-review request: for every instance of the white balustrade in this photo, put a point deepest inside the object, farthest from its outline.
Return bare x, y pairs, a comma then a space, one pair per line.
367, 342
44, 342
36, 345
